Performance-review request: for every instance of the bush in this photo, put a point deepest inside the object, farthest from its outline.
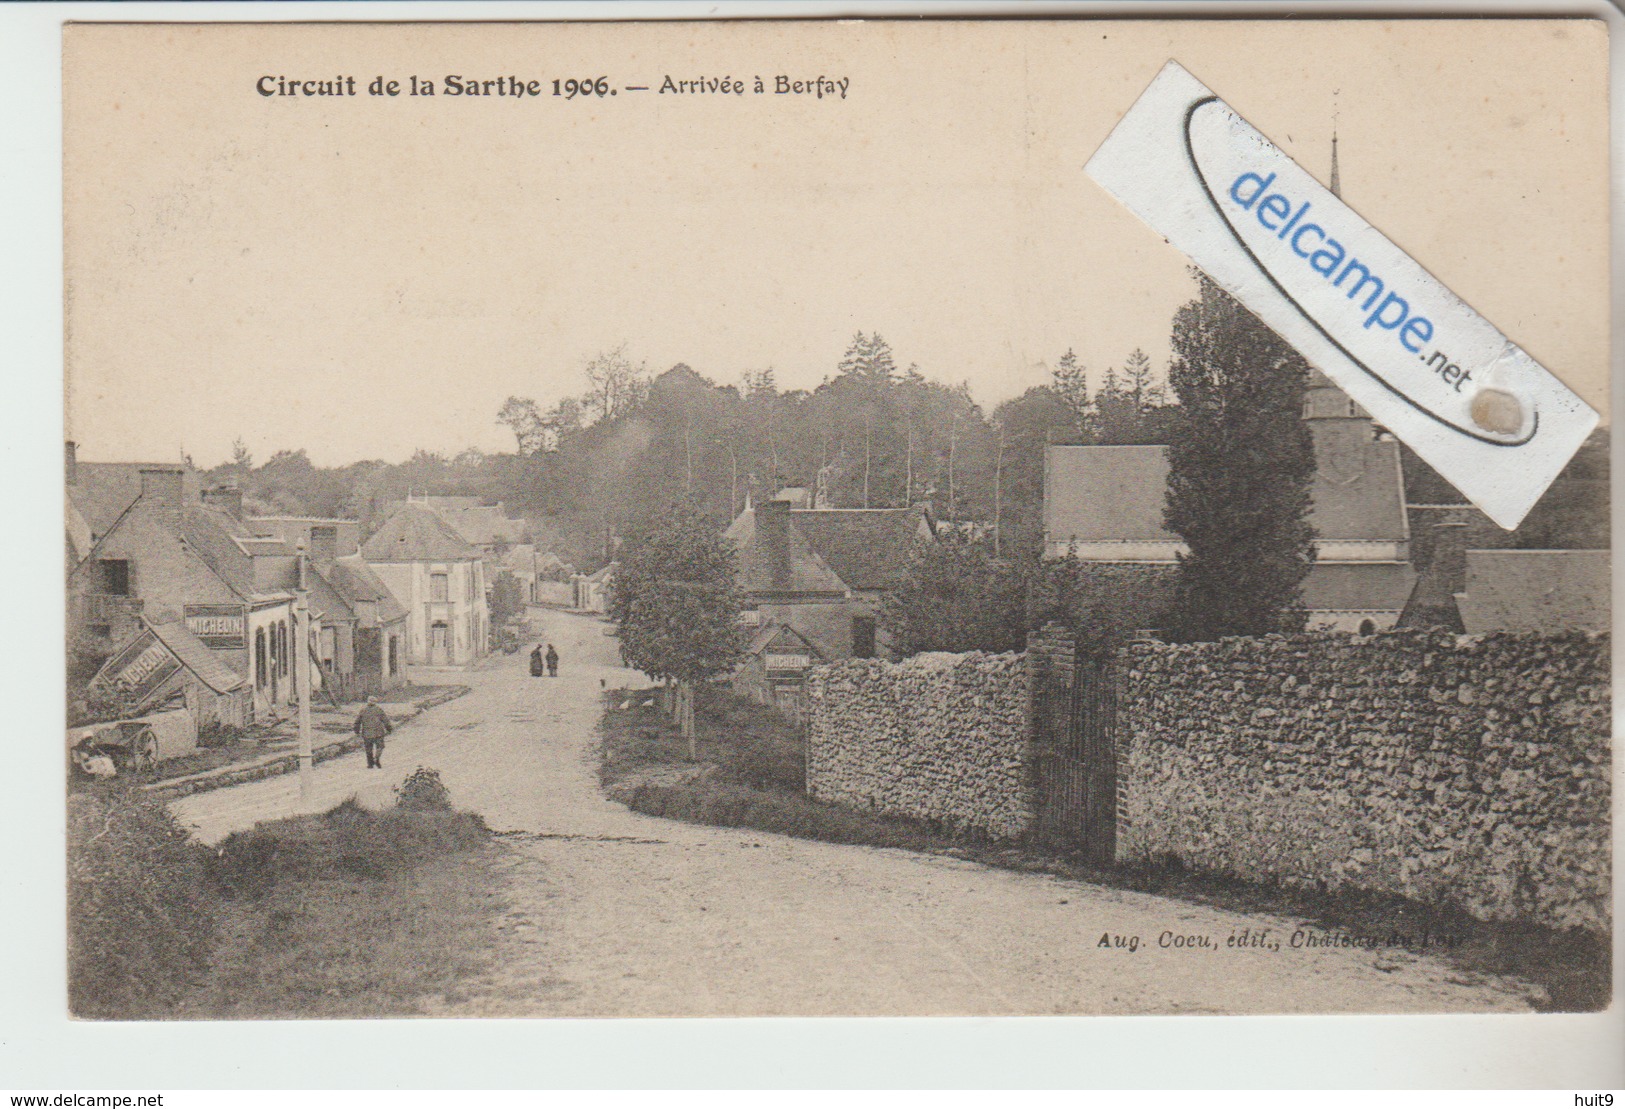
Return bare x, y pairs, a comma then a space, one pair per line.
141, 915
423, 791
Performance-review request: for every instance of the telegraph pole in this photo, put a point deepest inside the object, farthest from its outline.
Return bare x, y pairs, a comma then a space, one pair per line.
301, 663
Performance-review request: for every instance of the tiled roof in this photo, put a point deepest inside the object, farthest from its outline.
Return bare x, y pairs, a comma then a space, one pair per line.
1118, 493
197, 658
1357, 492
415, 534
1536, 591
483, 525
356, 581
1106, 493
809, 573
101, 491
869, 548
1358, 586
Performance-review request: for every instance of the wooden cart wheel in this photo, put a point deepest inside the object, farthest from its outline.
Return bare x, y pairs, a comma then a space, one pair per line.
144, 752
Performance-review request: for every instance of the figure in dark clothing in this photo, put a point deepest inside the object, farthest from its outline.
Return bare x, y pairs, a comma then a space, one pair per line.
536, 662
372, 725
552, 661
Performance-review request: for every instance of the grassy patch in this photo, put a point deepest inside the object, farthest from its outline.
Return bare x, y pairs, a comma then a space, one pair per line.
751, 774
142, 914
349, 913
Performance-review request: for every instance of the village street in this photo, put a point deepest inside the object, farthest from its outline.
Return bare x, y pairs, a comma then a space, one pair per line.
611, 913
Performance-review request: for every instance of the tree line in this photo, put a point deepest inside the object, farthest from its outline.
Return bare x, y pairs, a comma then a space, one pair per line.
598, 466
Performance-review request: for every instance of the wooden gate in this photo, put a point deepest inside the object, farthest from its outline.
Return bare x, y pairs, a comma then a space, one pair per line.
1075, 729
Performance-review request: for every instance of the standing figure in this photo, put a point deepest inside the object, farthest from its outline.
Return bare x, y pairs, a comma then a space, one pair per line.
372, 725
536, 663
552, 661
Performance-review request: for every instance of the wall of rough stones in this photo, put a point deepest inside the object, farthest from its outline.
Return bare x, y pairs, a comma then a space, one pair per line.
1472, 771
938, 737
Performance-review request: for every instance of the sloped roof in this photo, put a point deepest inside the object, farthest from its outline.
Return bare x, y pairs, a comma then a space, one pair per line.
415, 534
1358, 586
1118, 493
101, 491
1536, 591
216, 534
773, 634
868, 548
1358, 492
809, 573
483, 525
1112, 493
357, 583
196, 657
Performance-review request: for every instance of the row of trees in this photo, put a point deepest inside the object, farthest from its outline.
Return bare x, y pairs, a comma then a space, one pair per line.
600, 464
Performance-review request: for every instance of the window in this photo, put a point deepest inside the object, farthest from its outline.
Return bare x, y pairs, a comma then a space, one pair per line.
394, 655
115, 573
439, 587
283, 642
261, 664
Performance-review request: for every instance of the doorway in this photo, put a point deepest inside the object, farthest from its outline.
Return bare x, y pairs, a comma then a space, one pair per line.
439, 644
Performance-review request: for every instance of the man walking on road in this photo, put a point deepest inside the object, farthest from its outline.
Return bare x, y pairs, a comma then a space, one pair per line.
372, 725
552, 661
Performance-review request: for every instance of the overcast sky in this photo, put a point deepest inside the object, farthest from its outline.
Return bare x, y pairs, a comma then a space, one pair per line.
365, 276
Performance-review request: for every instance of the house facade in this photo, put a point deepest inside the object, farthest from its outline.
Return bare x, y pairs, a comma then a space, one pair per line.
813, 581
439, 580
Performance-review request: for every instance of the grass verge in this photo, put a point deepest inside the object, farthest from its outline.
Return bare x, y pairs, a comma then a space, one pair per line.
349, 913
750, 773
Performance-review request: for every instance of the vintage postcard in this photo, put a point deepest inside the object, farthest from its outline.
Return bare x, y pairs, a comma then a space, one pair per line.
732, 519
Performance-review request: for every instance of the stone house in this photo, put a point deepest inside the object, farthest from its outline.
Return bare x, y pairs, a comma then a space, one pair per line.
167, 557
823, 572
439, 579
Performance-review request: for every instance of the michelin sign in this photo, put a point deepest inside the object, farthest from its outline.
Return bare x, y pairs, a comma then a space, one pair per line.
1476, 407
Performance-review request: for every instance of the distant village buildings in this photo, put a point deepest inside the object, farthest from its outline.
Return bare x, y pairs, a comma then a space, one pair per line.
813, 580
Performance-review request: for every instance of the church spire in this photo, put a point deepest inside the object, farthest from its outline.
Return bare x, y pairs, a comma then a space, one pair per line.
1337, 183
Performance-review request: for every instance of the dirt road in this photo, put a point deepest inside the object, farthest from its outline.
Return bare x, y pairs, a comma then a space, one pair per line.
612, 913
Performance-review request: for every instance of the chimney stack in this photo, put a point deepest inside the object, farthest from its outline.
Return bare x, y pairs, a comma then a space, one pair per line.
161, 488
1432, 602
70, 452
324, 544
225, 497
773, 531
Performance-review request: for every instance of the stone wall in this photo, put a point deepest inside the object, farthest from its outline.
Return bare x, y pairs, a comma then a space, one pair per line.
941, 738
1473, 770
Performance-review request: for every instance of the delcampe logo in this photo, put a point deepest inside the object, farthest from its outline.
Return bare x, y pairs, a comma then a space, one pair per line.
1348, 282
1488, 417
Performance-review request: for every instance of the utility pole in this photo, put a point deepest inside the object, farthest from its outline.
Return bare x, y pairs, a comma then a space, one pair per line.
301, 664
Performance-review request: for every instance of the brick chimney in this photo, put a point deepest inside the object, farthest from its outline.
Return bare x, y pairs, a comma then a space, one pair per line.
70, 459
225, 497
324, 544
773, 532
161, 489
